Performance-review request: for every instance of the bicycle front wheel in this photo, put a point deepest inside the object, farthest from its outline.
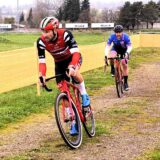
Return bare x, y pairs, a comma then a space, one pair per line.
73, 141
119, 83
89, 123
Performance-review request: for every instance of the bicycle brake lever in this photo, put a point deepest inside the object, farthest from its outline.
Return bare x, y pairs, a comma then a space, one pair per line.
126, 61
46, 88
44, 85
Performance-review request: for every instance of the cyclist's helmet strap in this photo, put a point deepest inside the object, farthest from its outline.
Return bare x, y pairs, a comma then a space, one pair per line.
49, 23
118, 29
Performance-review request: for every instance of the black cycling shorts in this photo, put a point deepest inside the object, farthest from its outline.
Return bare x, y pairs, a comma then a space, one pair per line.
60, 68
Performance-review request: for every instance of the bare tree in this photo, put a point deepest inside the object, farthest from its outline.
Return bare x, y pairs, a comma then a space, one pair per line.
110, 15
85, 11
1, 20
105, 15
113, 15
95, 15
45, 8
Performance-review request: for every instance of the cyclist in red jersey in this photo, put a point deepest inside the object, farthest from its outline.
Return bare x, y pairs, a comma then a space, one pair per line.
61, 44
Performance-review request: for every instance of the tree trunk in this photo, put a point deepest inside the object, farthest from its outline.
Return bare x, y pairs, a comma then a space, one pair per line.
147, 25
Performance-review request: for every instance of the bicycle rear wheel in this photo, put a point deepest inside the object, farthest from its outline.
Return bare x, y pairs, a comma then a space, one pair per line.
119, 83
65, 126
89, 123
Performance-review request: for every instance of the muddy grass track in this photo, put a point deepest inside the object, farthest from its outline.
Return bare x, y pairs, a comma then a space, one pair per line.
128, 140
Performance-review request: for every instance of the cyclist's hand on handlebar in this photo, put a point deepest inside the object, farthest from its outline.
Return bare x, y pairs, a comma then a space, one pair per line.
42, 80
126, 56
106, 60
72, 71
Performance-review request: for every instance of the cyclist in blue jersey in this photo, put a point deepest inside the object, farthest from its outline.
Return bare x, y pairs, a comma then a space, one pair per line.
121, 45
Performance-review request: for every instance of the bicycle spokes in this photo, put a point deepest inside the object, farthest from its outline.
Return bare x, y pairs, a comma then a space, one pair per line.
67, 111
71, 129
119, 82
89, 123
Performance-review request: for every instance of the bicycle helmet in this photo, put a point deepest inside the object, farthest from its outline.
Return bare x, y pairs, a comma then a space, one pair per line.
118, 29
49, 23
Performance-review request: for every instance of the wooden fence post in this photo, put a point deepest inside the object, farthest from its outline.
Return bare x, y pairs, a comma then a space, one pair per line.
38, 84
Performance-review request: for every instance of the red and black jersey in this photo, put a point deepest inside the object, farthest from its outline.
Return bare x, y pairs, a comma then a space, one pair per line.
61, 49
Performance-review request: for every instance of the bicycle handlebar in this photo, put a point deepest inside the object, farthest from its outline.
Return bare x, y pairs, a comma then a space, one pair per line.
118, 58
54, 77
106, 60
45, 86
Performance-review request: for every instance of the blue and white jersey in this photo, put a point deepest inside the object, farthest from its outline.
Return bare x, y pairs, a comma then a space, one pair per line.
120, 45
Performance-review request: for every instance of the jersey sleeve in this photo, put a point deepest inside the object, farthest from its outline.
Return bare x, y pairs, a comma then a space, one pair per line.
110, 40
72, 44
41, 57
128, 43
73, 47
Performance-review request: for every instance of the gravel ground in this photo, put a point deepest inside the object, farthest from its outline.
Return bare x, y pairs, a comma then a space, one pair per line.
124, 145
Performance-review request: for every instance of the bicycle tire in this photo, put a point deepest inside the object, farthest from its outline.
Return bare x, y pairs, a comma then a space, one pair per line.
122, 83
72, 141
89, 123
89, 130
119, 83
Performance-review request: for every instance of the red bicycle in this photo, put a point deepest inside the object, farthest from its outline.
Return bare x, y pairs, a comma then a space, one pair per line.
68, 110
119, 81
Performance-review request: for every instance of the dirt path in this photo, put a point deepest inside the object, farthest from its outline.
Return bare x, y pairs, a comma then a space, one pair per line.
124, 145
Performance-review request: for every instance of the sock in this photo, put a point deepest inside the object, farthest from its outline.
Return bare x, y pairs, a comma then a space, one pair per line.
82, 88
125, 79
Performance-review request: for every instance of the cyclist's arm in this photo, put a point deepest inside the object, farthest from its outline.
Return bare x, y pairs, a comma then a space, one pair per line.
41, 57
128, 44
70, 41
108, 45
129, 49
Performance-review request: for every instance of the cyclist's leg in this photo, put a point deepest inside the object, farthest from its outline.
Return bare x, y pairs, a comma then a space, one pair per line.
60, 68
125, 73
79, 81
113, 54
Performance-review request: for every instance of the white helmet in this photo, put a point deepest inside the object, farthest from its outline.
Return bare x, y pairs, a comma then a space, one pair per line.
49, 23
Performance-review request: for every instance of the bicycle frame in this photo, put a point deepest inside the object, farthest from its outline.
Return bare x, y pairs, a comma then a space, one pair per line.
117, 64
65, 86
118, 75
68, 109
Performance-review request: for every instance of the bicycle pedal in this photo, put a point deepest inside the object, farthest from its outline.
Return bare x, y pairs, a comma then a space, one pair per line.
86, 111
66, 120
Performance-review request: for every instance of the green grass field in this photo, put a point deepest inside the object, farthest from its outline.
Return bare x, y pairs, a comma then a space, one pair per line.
11, 41
17, 105
20, 103
23, 102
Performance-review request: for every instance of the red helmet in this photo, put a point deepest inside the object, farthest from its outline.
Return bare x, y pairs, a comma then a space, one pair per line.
49, 23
